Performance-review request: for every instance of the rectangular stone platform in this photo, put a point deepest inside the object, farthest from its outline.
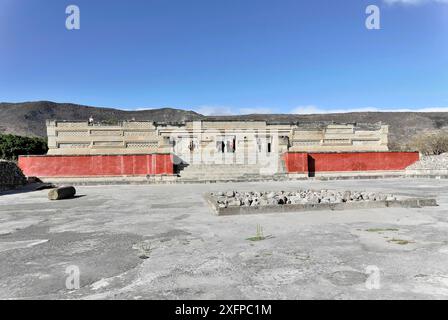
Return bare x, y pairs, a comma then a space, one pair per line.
402, 202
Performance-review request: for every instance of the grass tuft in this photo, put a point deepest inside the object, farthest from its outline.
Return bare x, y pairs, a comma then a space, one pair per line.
400, 241
259, 236
381, 230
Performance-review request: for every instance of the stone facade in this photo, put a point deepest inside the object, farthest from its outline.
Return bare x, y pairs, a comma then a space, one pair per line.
81, 138
244, 142
340, 137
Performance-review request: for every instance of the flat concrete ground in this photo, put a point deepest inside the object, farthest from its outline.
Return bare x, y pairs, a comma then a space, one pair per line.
193, 254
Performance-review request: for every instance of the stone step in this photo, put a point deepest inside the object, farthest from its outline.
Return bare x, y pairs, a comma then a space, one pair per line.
222, 172
220, 177
221, 167
277, 177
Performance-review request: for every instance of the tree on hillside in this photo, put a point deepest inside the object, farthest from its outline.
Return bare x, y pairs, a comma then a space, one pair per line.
11, 146
434, 143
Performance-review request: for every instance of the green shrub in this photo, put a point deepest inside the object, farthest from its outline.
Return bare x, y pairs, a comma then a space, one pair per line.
11, 146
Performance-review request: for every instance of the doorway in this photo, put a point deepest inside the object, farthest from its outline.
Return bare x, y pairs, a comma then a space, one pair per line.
226, 144
311, 166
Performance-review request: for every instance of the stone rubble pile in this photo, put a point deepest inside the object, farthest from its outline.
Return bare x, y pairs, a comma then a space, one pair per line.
10, 175
254, 199
439, 162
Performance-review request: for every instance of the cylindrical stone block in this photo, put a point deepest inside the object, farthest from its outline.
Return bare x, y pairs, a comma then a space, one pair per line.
61, 193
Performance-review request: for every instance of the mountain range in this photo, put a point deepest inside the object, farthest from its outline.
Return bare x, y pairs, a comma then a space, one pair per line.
28, 118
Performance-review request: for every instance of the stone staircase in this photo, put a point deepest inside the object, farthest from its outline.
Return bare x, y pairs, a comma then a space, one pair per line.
224, 173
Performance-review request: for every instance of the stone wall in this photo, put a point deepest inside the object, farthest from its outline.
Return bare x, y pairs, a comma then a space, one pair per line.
96, 165
82, 138
436, 165
10, 176
339, 162
439, 162
339, 137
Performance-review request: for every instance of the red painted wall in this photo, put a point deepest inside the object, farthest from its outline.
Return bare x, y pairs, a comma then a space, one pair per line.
96, 165
129, 165
351, 161
296, 162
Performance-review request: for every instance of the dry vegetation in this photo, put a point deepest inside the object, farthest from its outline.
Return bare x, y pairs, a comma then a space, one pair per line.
433, 143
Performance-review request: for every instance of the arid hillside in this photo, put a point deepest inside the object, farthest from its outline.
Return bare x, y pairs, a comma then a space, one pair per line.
29, 118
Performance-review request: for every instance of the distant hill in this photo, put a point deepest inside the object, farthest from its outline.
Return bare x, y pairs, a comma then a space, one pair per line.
403, 126
29, 118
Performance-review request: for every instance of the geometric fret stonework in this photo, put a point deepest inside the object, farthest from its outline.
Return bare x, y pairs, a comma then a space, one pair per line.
213, 138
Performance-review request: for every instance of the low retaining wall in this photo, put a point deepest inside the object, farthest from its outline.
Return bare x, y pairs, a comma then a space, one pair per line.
348, 161
404, 203
96, 165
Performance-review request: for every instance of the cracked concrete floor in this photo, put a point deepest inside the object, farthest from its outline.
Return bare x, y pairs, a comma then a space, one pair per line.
192, 254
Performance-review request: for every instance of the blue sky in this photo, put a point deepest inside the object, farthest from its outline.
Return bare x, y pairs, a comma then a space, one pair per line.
227, 56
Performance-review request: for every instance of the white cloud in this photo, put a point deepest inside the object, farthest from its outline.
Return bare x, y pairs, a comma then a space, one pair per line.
309, 109
214, 110
227, 111
255, 111
305, 109
316, 110
413, 2
150, 108
143, 109
433, 109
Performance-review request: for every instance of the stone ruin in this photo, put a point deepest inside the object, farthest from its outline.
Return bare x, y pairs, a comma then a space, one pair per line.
11, 176
435, 162
236, 203
270, 198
